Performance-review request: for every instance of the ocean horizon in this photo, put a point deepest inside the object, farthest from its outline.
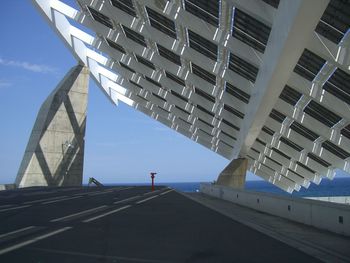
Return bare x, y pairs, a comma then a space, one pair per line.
336, 187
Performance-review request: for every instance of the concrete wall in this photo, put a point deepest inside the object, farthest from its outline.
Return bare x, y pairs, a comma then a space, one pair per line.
324, 215
333, 199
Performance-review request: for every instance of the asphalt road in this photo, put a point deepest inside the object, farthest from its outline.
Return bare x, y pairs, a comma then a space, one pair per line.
126, 224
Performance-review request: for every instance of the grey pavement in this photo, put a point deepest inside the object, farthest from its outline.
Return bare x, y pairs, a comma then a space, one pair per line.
324, 245
127, 224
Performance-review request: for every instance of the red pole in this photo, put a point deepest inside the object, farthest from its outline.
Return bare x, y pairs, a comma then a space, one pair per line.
152, 176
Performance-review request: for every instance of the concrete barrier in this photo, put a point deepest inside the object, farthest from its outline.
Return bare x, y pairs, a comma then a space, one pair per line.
333, 199
324, 215
7, 187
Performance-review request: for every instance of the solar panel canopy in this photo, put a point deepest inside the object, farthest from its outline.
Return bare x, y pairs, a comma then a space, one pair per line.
265, 80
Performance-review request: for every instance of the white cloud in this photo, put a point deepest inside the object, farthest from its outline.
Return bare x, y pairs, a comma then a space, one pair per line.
38, 68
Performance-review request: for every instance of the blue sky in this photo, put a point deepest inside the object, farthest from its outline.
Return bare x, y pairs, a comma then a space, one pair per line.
122, 145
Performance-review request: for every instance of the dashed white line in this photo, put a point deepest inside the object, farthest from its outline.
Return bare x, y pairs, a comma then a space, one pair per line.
145, 200
37, 193
166, 192
16, 231
77, 214
152, 192
4, 206
68, 189
61, 200
101, 193
13, 208
80, 194
127, 199
106, 214
46, 199
25, 243
125, 188
86, 193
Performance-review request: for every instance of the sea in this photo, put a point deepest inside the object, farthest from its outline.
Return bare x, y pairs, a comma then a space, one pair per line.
335, 187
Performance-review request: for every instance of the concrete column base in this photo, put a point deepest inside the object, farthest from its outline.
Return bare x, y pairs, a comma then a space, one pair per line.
55, 152
234, 174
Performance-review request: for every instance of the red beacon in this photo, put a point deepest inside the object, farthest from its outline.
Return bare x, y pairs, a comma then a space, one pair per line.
153, 176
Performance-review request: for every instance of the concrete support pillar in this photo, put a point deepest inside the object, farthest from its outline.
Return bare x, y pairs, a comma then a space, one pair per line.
234, 174
55, 152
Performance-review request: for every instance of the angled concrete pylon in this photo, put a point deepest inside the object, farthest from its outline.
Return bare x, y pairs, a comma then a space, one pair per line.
234, 174
55, 152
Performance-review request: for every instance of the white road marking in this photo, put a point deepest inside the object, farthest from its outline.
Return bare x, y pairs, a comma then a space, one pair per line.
145, 200
101, 193
46, 199
77, 214
125, 188
148, 193
108, 191
37, 193
80, 194
25, 243
106, 214
4, 206
61, 200
16, 231
13, 208
166, 192
127, 199
68, 189
84, 193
